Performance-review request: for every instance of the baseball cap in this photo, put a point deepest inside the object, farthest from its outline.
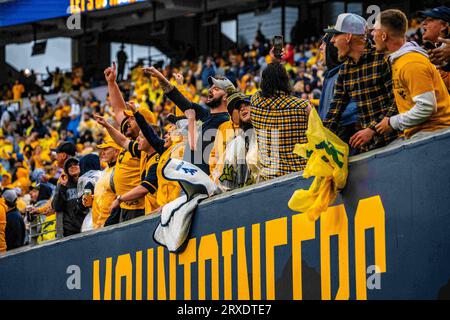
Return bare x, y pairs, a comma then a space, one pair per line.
348, 23
66, 147
10, 196
442, 13
222, 83
108, 142
235, 99
147, 114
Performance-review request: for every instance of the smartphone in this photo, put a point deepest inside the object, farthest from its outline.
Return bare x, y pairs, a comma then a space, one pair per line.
278, 46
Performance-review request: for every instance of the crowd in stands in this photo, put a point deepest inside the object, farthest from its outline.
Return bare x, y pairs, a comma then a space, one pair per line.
236, 116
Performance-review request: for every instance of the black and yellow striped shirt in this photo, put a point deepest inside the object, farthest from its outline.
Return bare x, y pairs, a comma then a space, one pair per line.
368, 82
280, 122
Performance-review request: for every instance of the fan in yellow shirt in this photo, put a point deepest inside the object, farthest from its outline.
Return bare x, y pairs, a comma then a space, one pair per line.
104, 192
422, 98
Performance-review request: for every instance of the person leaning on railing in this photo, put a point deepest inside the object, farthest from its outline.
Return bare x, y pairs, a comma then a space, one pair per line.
420, 93
280, 120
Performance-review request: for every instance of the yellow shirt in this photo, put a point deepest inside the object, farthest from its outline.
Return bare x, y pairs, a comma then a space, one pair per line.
413, 74
17, 90
3, 210
149, 180
168, 190
127, 176
103, 198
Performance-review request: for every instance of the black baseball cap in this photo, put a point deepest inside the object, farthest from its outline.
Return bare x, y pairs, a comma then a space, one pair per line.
235, 100
442, 13
66, 147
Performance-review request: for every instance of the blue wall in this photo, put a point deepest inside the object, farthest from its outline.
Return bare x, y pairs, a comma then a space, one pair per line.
413, 183
26, 11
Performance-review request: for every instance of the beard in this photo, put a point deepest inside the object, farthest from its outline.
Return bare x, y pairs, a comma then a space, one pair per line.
215, 103
342, 58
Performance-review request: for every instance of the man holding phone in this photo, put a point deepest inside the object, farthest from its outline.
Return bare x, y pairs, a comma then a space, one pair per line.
279, 118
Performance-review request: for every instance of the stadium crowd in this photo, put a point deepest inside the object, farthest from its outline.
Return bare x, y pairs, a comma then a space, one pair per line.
236, 116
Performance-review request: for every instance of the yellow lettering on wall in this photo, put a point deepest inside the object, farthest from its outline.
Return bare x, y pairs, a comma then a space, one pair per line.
256, 261
72, 6
150, 274
370, 214
302, 229
186, 258
242, 271
98, 4
227, 253
208, 250
173, 276
77, 6
334, 222
96, 285
124, 268
90, 5
107, 295
83, 6
161, 275
139, 275
276, 235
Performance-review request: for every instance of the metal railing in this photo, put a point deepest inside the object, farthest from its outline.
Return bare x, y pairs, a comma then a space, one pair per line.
38, 228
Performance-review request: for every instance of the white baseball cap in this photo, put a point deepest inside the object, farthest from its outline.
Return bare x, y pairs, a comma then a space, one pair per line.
348, 23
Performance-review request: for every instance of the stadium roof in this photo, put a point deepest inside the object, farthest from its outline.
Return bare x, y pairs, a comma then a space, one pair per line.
49, 17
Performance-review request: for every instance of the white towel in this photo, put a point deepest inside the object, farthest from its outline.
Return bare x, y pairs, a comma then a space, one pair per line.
176, 217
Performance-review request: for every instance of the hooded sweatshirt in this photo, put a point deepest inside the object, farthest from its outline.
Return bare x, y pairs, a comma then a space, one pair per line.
420, 94
65, 202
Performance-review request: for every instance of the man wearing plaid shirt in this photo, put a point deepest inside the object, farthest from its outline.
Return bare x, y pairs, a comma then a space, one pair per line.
365, 78
280, 121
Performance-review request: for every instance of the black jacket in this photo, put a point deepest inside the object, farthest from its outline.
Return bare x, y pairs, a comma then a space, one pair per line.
15, 230
65, 202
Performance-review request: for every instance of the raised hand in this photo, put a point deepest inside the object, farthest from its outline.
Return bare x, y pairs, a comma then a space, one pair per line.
178, 78
274, 58
152, 71
63, 179
100, 120
131, 106
111, 73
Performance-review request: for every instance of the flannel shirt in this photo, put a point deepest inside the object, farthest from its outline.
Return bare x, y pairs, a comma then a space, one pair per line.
369, 83
280, 122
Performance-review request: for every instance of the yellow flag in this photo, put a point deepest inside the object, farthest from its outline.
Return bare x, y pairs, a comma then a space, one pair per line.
327, 158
